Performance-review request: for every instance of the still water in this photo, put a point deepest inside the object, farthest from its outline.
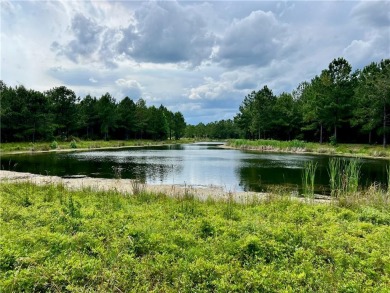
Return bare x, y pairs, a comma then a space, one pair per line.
199, 164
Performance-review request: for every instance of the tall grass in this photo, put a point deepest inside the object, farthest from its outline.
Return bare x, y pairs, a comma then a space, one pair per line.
138, 187
334, 178
344, 176
352, 174
388, 179
308, 178
188, 202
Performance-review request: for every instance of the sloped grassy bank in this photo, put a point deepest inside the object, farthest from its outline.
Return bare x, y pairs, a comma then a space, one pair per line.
80, 145
298, 146
54, 239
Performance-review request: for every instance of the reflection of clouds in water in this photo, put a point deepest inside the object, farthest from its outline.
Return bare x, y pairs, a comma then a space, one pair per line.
205, 164
269, 160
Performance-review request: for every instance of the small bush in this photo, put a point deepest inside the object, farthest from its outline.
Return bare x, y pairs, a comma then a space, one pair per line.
374, 216
206, 230
333, 140
73, 144
54, 145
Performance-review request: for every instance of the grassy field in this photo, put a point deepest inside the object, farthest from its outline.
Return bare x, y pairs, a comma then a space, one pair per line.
84, 144
57, 240
360, 150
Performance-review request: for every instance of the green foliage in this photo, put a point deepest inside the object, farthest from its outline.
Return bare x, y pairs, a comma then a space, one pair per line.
344, 176
388, 179
322, 109
333, 140
270, 144
372, 99
81, 144
308, 179
214, 130
302, 146
206, 229
73, 144
54, 145
188, 202
230, 212
86, 241
28, 115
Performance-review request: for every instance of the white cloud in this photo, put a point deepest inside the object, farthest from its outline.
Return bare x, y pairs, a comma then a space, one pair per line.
198, 58
254, 40
370, 48
372, 13
167, 32
130, 88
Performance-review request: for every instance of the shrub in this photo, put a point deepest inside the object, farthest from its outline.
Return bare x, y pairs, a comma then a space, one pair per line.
73, 144
54, 145
206, 229
333, 140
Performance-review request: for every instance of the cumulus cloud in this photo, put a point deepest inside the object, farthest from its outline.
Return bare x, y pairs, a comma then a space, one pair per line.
372, 13
86, 41
167, 32
245, 83
157, 32
129, 87
194, 57
373, 48
209, 90
224, 94
254, 40
374, 44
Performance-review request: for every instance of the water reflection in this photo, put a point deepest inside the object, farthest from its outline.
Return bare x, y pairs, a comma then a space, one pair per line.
201, 164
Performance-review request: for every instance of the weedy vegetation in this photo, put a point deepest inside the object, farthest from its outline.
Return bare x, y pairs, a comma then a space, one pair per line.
75, 143
56, 240
308, 179
356, 150
344, 176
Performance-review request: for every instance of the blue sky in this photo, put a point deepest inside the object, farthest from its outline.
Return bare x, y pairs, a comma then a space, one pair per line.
197, 57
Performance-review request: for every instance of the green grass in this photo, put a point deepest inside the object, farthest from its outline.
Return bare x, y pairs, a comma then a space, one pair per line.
89, 144
56, 240
359, 150
344, 176
308, 179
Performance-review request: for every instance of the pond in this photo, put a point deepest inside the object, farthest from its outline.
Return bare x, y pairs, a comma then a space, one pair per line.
199, 164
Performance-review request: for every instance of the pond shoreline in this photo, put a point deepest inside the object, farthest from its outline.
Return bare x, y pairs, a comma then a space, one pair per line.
70, 150
299, 151
224, 145
128, 186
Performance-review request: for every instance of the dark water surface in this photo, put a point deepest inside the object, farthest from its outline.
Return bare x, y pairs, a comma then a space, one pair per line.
199, 164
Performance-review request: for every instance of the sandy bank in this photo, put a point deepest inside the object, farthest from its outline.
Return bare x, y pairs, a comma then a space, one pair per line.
127, 187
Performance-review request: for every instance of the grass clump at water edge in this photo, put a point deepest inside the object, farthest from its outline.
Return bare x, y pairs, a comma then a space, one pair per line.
308, 179
66, 241
344, 176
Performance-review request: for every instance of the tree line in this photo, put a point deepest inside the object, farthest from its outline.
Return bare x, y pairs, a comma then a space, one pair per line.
30, 115
339, 105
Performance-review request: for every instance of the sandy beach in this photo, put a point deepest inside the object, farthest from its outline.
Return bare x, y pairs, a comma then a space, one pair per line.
127, 186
